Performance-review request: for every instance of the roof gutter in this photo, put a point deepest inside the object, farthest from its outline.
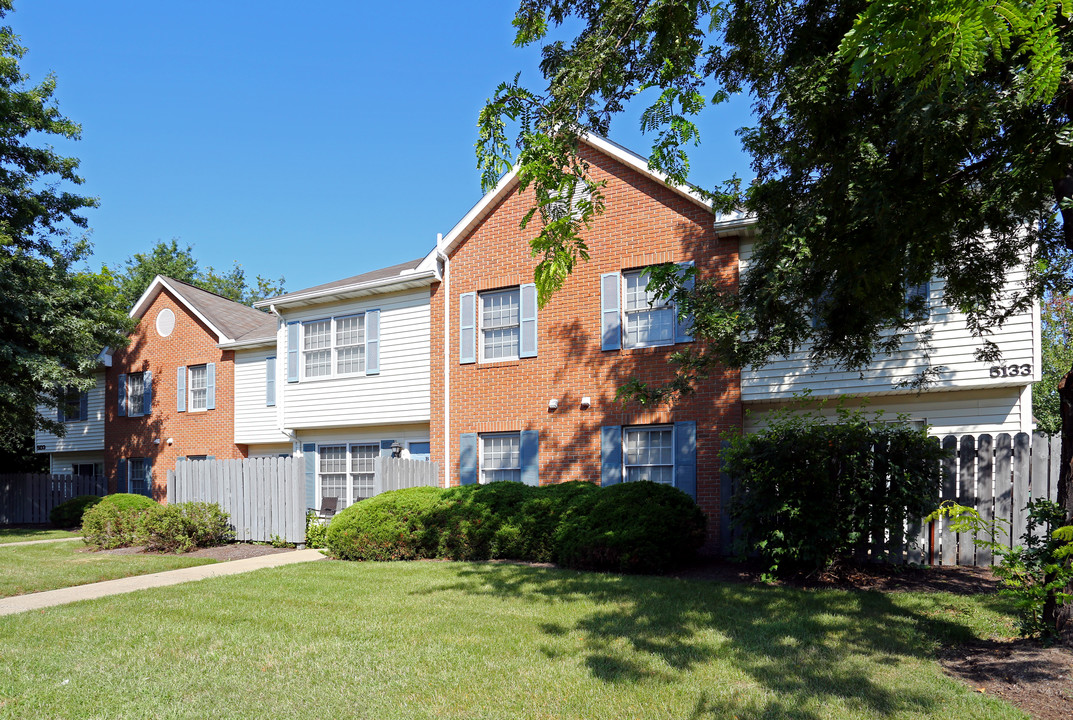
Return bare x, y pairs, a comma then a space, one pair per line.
374, 285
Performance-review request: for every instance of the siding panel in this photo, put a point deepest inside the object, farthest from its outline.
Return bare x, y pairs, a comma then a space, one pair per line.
81, 436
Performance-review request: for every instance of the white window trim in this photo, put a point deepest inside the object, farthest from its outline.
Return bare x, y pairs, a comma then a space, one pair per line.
624, 314
660, 426
332, 348
190, 388
480, 453
349, 445
517, 289
133, 411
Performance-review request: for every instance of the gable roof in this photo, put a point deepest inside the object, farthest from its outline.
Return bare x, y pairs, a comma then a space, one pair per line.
722, 222
396, 277
229, 320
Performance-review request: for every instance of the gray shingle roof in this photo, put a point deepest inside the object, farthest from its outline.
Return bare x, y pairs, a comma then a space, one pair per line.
370, 276
235, 320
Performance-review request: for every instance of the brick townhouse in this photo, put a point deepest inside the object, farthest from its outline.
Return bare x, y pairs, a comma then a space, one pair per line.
528, 394
170, 393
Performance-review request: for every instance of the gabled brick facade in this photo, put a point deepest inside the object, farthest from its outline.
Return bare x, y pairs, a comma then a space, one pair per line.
208, 432
644, 223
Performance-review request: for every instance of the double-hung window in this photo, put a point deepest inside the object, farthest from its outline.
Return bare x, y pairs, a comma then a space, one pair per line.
198, 387
135, 393
916, 300
649, 318
338, 346
139, 478
317, 348
346, 472
73, 406
350, 344
363, 469
501, 457
500, 324
649, 453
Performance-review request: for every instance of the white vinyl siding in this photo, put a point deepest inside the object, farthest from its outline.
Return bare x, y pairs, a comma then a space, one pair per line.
64, 463
399, 394
500, 314
197, 388
255, 422
953, 348
648, 454
82, 435
501, 457
647, 318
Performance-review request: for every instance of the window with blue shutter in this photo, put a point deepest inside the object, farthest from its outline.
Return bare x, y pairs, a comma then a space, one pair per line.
610, 316
685, 458
527, 346
372, 342
293, 329
147, 393
210, 386
610, 455
385, 448
467, 459
83, 406
121, 475
684, 325
530, 457
270, 382
121, 401
180, 389
148, 468
467, 328
309, 455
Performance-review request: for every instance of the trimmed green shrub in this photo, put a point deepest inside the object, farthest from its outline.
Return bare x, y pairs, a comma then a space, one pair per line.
637, 527
115, 521
505, 520
385, 527
184, 526
810, 492
69, 514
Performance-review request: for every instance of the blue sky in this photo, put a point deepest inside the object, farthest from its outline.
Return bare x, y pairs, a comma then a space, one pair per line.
314, 141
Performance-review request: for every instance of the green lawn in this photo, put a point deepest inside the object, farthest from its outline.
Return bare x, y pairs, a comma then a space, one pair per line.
33, 568
453, 640
13, 535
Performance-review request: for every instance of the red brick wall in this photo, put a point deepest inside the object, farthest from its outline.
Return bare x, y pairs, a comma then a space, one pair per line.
210, 432
643, 223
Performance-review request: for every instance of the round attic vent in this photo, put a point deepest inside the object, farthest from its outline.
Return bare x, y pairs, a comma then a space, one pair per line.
165, 322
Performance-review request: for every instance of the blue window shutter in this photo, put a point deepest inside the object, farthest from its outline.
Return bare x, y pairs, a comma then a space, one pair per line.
372, 342
210, 386
83, 406
684, 326
610, 317
610, 455
122, 400
685, 458
292, 352
309, 453
121, 475
527, 346
148, 478
180, 389
210, 457
385, 448
467, 328
467, 459
59, 408
530, 457
270, 382
147, 393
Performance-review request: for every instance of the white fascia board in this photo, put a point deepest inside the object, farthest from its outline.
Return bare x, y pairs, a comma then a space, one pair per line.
247, 344
470, 219
342, 292
154, 289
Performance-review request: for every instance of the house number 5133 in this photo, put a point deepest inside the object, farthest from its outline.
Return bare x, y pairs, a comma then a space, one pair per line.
1001, 371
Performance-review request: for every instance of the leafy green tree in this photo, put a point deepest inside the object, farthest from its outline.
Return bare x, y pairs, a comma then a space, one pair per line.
171, 260
1056, 345
55, 317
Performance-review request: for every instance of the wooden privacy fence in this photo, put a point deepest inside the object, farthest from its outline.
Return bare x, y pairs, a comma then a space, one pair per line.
265, 497
399, 473
28, 498
997, 475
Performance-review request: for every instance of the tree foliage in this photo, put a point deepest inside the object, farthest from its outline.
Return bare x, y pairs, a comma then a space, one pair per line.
871, 174
172, 260
55, 316
1056, 354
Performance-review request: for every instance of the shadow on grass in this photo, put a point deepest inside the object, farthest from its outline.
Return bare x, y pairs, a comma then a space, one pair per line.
803, 649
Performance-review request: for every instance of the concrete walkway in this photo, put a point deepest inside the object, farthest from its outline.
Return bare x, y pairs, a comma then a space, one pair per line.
38, 542
36, 601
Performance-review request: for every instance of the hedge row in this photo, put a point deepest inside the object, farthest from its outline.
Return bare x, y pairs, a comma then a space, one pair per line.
633, 527
124, 519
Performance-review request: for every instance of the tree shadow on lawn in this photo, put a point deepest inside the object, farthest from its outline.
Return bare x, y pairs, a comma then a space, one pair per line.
802, 648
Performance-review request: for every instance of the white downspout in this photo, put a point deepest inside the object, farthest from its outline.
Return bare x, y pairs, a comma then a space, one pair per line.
296, 447
441, 255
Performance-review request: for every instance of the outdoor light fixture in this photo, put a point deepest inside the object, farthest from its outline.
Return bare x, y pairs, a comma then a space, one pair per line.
396, 449
170, 441
586, 402
552, 404
156, 441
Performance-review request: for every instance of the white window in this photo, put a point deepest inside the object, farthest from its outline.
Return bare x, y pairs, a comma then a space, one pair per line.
649, 319
71, 408
501, 457
649, 453
139, 481
500, 324
346, 472
317, 348
197, 387
918, 294
334, 346
135, 394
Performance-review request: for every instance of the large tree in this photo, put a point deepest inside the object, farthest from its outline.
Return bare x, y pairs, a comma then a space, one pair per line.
172, 260
55, 316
